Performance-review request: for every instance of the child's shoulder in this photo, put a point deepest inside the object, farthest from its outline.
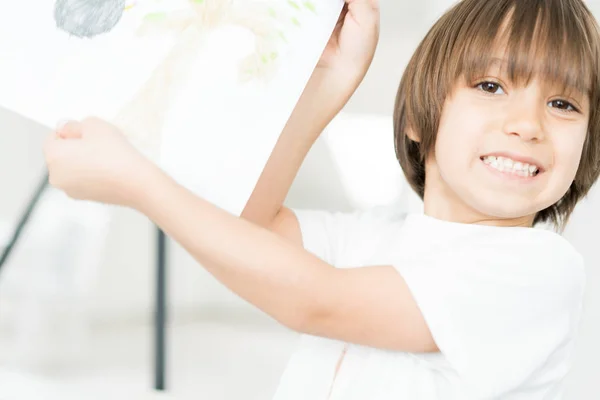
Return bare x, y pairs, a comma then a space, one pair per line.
386, 214
380, 220
529, 254
545, 245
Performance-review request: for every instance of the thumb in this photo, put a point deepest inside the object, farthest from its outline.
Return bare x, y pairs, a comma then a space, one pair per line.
69, 130
364, 10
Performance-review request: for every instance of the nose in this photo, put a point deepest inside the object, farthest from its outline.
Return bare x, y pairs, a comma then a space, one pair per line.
524, 117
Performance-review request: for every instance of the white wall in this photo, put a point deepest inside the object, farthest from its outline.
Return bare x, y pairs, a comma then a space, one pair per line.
583, 233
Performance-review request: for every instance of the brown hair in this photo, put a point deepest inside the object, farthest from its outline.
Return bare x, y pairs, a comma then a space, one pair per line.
566, 51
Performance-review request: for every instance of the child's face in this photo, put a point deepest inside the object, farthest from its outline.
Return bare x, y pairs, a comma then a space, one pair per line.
524, 128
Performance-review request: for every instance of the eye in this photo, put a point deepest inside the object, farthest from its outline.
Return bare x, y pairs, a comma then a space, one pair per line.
563, 105
490, 87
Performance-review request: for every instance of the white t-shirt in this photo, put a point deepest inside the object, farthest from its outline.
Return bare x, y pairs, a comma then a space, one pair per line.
503, 305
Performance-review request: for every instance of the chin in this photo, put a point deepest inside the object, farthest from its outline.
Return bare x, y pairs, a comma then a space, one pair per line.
502, 208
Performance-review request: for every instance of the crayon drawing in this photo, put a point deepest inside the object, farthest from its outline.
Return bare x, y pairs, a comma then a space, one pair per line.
163, 70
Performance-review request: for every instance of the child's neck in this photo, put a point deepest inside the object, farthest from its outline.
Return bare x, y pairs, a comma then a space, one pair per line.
445, 211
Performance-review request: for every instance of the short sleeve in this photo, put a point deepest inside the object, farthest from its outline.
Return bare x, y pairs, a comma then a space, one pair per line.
346, 239
504, 317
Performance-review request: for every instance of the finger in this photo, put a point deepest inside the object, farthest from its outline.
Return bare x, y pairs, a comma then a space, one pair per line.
363, 10
374, 4
342, 16
69, 130
340, 22
56, 147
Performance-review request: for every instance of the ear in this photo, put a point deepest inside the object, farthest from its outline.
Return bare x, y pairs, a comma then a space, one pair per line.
412, 135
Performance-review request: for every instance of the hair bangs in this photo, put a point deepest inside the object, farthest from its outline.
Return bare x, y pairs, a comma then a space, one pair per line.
529, 39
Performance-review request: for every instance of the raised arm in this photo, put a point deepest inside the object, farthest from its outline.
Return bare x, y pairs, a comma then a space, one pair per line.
316, 108
341, 69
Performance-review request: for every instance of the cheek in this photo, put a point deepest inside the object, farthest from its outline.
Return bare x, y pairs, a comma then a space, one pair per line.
457, 140
568, 148
447, 153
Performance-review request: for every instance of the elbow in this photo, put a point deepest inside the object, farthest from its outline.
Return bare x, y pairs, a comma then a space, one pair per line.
299, 322
256, 218
259, 215
308, 320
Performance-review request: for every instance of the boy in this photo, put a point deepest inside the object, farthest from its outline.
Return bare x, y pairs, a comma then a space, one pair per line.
497, 128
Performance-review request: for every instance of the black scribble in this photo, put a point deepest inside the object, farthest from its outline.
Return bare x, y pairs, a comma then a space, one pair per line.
88, 18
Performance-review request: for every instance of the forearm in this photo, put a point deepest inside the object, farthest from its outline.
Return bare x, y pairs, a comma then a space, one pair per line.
318, 105
258, 265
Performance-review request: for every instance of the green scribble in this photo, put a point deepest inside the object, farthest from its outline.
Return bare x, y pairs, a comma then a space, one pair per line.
294, 4
310, 6
266, 58
280, 21
281, 34
158, 16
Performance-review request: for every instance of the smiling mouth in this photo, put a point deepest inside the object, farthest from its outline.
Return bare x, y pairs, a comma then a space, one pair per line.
511, 167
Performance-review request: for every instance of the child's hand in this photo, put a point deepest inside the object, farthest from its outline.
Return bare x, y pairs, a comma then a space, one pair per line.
92, 160
351, 48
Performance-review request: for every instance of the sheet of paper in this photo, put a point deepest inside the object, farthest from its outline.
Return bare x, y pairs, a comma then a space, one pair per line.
203, 86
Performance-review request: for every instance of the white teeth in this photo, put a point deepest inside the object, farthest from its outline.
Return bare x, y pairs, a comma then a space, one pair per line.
507, 165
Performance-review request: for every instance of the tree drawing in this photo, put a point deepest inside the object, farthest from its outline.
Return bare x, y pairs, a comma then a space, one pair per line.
142, 118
